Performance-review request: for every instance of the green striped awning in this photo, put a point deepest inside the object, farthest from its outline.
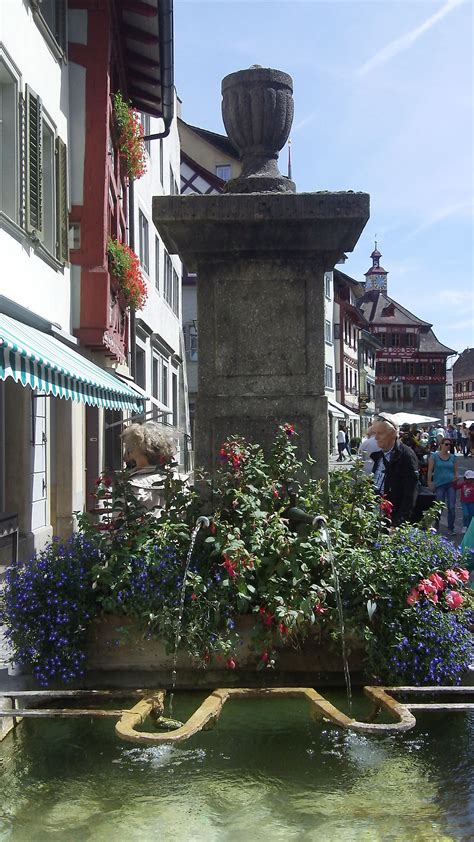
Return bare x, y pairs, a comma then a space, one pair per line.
37, 359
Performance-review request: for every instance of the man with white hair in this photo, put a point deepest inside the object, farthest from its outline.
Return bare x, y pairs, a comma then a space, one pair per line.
395, 469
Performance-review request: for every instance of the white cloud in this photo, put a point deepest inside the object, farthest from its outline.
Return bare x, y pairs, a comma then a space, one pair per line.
400, 44
455, 298
303, 122
440, 215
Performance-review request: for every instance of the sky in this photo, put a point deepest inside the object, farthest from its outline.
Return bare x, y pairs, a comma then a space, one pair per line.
383, 93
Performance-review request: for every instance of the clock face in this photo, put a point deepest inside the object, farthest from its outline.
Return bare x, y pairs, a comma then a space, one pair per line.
379, 281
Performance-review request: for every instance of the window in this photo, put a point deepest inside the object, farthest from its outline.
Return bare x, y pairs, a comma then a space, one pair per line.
168, 280
9, 158
161, 160
140, 372
175, 299
159, 384
338, 382
191, 337
145, 123
171, 285
174, 398
384, 393
327, 284
328, 376
53, 13
328, 331
157, 263
224, 171
143, 244
49, 216
173, 183
45, 180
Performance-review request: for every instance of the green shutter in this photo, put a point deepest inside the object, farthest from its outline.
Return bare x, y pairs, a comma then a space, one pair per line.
62, 225
22, 159
34, 174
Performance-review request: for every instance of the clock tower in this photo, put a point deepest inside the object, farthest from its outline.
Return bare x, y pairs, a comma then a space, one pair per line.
376, 276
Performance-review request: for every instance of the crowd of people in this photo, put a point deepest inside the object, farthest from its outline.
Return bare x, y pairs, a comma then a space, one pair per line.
413, 465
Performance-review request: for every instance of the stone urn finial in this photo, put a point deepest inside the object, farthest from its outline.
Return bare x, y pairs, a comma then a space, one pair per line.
257, 109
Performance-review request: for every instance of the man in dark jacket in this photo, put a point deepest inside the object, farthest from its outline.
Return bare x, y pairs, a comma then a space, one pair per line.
395, 469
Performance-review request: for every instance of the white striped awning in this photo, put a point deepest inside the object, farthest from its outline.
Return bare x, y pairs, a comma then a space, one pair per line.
38, 360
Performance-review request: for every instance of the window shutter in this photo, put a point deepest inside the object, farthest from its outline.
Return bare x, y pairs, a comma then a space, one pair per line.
22, 159
34, 175
62, 226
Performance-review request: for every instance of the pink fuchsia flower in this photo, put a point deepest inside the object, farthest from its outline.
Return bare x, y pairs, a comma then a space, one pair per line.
413, 596
463, 574
193, 596
289, 430
454, 599
282, 629
427, 587
438, 582
265, 657
319, 609
452, 577
231, 664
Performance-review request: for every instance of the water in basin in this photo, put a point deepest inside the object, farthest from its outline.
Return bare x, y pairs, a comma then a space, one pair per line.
266, 772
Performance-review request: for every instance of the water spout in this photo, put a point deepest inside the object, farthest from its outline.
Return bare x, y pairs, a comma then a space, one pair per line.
200, 522
321, 522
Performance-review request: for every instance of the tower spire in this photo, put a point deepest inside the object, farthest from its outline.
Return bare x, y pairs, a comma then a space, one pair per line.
376, 276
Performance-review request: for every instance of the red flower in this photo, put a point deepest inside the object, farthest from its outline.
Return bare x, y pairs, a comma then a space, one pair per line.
438, 582
231, 664
289, 430
230, 567
454, 599
463, 574
265, 657
386, 507
282, 629
452, 577
413, 596
266, 616
193, 596
427, 587
319, 609
275, 492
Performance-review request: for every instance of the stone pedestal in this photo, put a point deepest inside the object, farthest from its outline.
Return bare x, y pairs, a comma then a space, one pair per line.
260, 260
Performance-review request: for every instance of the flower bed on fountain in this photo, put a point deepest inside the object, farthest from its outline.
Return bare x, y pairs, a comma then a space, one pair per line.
259, 590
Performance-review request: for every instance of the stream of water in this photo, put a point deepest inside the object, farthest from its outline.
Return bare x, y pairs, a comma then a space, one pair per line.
201, 521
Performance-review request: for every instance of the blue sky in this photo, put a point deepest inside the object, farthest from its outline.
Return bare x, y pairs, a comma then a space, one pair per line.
383, 95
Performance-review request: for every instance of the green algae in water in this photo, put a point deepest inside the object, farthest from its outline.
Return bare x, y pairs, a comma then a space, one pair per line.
266, 771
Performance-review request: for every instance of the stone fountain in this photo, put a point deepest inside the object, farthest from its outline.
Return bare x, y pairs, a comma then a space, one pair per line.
260, 251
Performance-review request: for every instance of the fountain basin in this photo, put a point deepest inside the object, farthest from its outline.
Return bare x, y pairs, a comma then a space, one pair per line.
119, 645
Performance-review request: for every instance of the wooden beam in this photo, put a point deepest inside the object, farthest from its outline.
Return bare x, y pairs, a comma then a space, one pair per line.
42, 713
51, 694
136, 34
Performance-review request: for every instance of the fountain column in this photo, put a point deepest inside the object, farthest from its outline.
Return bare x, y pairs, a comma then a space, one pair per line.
260, 251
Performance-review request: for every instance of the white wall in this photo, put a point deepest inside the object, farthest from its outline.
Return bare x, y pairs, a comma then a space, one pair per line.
27, 278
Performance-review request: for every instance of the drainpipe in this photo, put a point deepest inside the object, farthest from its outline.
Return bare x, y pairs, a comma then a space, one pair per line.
165, 22
131, 242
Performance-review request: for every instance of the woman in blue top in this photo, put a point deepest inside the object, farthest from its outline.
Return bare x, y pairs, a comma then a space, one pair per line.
442, 474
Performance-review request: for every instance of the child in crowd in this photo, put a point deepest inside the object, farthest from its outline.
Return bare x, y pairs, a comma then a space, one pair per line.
466, 484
